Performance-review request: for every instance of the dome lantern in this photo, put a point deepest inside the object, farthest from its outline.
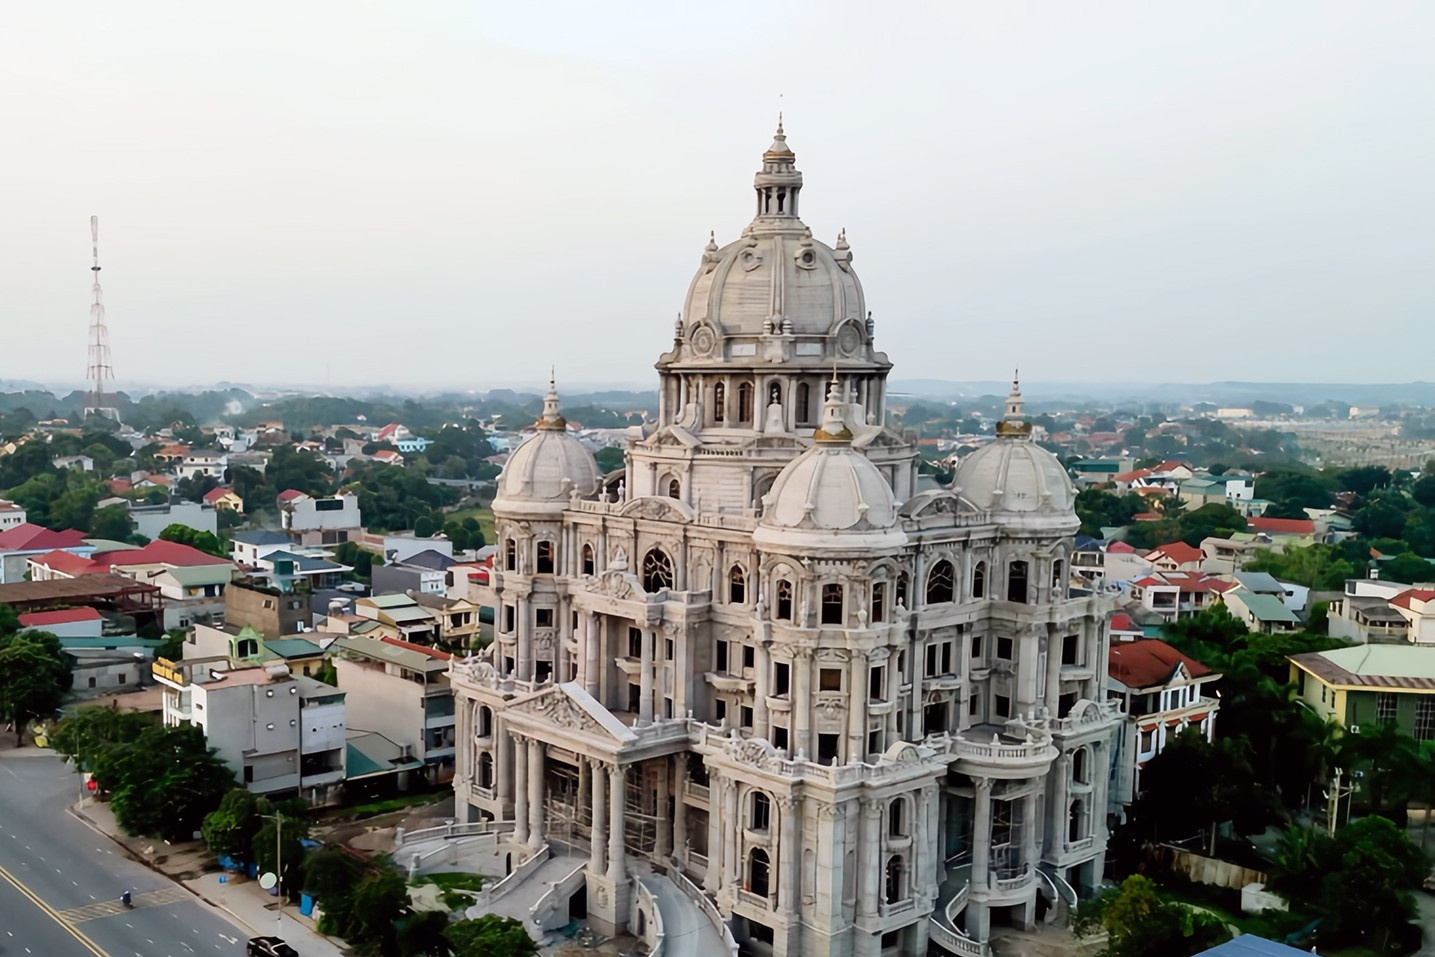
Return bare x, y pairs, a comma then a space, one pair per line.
778, 184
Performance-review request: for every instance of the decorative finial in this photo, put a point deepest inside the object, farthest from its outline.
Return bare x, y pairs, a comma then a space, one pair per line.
551, 419
779, 121
1012, 423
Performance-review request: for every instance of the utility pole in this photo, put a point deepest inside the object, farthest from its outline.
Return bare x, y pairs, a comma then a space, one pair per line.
1332, 798
278, 820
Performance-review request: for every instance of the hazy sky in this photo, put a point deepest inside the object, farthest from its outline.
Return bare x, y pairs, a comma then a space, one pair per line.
430, 193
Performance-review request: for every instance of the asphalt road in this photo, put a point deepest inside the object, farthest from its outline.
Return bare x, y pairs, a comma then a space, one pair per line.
60, 882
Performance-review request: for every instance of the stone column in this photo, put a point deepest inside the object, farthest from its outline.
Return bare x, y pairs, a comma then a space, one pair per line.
731, 867
520, 790
617, 854
801, 679
979, 926
761, 690
1101, 776
524, 638
857, 704
662, 846
926, 856
869, 853
599, 787
592, 644
680, 808
535, 793
585, 784
645, 679
894, 693
790, 850
712, 880
919, 671
505, 772
1056, 814
1030, 826
1052, 699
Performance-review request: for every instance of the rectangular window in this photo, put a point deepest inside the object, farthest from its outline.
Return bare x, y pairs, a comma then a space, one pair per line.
974, 704
667, 649
720, 665
1065, 703
874, 742
1003, 706
877, 684
746, 715
976, 646
749, 656
1070, 650
1385, 707
934, 719
946, 657
932, 657
879, 601
827, 748
1004, 648
635, 697
720, 711
1425, 718
509, 619
543, 617
780, 672
829, 679
779, 738
635, 643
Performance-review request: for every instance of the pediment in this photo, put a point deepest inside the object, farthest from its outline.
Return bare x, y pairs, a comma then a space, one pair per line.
936, 502
657, 507
567, 709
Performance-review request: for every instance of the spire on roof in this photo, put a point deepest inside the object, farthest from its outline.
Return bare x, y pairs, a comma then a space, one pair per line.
1013, 423
833, 428
551, 418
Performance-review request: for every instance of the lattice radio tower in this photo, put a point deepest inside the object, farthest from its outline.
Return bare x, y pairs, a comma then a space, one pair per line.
100, 367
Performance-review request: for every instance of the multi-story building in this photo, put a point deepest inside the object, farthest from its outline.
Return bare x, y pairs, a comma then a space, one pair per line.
401, 690
322, 521
281, 733
862, 717
10, 515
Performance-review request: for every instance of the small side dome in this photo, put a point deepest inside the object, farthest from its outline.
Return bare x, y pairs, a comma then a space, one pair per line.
549, 464
830, 496
1014, 475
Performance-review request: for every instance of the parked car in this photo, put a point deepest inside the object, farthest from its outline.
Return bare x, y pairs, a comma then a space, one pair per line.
268, 947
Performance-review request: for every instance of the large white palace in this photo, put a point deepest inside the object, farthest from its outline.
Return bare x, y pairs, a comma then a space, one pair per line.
845, 713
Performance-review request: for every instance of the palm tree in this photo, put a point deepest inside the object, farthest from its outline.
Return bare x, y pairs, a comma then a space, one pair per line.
1385, 755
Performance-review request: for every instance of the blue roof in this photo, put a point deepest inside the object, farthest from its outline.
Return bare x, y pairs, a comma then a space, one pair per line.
430, 558
1249, 945
261, 537
303, 563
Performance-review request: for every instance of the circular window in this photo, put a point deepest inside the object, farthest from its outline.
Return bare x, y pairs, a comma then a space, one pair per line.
809, 257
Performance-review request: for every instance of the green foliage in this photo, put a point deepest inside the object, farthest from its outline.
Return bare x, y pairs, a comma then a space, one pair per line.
162, 781
329, 875
1138, 923
204, 541
1315, 566
360, 559
273, 841
1408, 568
112, 522
421, 934
392, 498
490, 936
1098, 508
59, 499
173, 646
86, 732
610, 458
229, 830
34, 675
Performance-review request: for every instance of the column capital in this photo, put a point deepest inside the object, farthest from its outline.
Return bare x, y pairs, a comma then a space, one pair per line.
983, 784
871, 807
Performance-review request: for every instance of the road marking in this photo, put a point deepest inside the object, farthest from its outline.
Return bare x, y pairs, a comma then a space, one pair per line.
159, 898
54, 915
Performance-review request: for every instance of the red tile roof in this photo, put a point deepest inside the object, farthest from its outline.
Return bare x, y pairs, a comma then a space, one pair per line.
1121, 548
70, 564
1131, 476
1197, 581
1281, 526
1404, 599
385, 455
160, 552
118, 485
1170, 465
432, 652
1148, 662
215, 494
290, 494
173, 450
27, 536
1148, 581
1122, 622
1178, 552
38, 619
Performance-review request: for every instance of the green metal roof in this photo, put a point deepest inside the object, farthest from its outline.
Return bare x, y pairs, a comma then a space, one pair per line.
196, 575
293, 647
1265, 607
389, 601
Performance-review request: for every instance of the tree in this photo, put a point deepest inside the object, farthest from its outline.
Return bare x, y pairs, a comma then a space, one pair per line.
1138, 923
112, 522
229, 829
329, 875
490, 936
609, 458
380, 901
1369, 895
34, 676
163, 782
1408, 568
288, 847
422, 935
206, 542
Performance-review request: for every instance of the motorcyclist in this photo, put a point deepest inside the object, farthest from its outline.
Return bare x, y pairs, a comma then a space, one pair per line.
126, 900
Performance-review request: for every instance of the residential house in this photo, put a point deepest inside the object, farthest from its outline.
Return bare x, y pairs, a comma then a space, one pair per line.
290, 571
82, 622
1088, 472
1173, 595
291, 496
401, 690
245, 647
10, 515
1265, 614
224, 500
1175, 557
265, 608
401, 438
323, 521
1123, 564
282, 734
247, 548
191, 581
82, 462
206, 464
19, 543
425, 571
388, 457
403, 547
1262, 583
1369, 685
1364, 612
108, 664
150, 520
171, 455
1225, 556
1162, 692
458, 617
1282, 532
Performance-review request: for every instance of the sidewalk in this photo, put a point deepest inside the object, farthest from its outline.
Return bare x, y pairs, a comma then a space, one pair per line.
243, 900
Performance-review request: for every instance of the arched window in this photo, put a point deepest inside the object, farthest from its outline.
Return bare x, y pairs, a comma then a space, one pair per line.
940, 583
758, 869
657, 570
832, 604
1058, 580
588, 566
761, 817
736, 585
510, 555
774, 393
545, 558
896, 819
879, 602
485, 770
804, 403
895, 878
719, 402
675, 488
1080, 766
979, 580
1016, 582
783, 605
485, 722
744, 404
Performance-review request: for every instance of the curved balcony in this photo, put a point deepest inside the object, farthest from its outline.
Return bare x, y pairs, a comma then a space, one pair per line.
989, 751
951, 899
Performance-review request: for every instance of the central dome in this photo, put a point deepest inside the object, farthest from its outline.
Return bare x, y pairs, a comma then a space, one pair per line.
776, 278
